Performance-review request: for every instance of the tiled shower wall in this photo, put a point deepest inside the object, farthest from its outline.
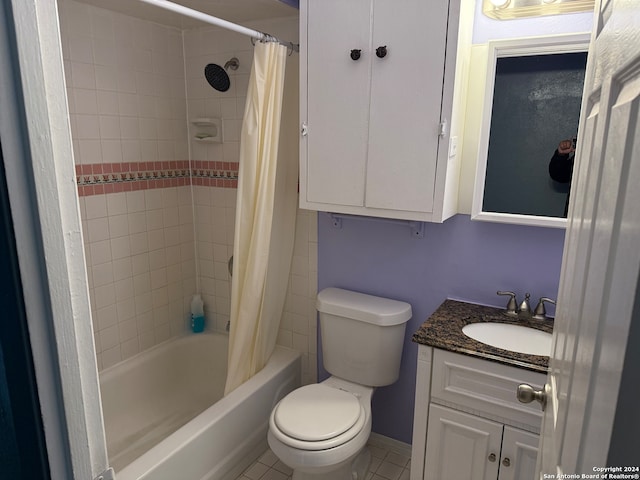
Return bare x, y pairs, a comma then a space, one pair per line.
131, 114
215, 206
126, 94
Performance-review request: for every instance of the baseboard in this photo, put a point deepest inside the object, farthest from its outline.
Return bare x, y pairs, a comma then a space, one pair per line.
390, 444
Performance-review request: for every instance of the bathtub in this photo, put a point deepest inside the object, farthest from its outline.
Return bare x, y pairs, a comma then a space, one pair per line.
166, 418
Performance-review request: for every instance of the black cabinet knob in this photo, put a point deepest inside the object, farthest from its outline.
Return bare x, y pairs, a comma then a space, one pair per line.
381, 52
355, 54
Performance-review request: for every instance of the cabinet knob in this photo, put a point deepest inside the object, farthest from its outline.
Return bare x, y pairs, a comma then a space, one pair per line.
506, 462
492, 457
355, 54
381, 51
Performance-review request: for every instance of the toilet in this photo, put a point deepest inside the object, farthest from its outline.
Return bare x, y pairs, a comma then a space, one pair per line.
321, 430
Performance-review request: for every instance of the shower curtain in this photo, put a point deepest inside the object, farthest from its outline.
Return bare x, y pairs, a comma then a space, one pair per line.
265, 220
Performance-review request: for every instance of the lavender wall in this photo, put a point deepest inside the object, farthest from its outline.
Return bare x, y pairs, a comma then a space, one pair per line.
457, 259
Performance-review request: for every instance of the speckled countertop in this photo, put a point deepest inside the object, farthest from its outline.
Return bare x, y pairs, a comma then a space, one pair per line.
443, 330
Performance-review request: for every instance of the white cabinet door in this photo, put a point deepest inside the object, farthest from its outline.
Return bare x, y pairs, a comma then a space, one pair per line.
406, 99
519, 454
338, 91
461, 446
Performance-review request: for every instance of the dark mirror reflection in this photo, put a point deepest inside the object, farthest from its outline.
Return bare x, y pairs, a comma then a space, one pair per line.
536, 107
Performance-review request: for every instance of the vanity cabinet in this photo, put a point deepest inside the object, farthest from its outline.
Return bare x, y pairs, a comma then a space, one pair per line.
464, 446
377, 82
468, 423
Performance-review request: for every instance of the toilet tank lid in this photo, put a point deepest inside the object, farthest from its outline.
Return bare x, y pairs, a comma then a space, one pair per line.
363, 307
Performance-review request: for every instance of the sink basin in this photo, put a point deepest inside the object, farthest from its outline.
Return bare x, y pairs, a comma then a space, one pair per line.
506, 336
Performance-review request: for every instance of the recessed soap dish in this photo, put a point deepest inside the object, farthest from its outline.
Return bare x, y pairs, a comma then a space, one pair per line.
207, 130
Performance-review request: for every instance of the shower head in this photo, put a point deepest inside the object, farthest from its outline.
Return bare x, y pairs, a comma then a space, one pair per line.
217, 76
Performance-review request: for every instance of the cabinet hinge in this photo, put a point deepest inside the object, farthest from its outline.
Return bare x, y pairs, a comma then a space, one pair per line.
442, 131
108, 474
304, 129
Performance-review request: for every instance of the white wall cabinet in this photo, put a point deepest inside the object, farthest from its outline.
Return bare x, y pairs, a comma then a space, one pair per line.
377, 83
475, 428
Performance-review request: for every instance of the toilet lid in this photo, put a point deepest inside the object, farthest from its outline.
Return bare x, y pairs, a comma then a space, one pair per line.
317, 412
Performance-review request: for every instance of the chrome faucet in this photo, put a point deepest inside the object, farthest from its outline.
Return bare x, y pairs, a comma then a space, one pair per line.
512, 305
524, 309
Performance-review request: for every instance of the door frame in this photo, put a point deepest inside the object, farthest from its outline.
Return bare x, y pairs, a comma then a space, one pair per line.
38, 158
591, 419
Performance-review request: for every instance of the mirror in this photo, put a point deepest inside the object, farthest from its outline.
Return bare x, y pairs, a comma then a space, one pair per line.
532, 102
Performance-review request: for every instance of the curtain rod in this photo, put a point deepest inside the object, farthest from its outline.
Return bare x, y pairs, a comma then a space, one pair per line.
210, 19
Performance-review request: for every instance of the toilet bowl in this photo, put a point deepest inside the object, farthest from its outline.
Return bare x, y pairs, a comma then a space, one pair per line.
320, 430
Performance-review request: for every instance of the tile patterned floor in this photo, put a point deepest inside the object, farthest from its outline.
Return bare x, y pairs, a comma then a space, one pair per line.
386, 464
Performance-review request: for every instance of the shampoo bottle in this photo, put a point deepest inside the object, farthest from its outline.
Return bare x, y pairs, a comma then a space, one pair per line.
197, 314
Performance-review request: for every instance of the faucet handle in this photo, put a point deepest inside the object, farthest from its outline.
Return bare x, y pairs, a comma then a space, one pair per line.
540, 312
512, 305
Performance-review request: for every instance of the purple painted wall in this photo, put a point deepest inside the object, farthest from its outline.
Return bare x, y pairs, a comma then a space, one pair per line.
458, 259
293, 3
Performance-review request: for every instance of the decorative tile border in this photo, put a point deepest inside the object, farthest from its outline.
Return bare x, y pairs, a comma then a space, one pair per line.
103, 178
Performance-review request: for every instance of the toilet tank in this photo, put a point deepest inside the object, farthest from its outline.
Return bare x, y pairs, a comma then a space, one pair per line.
362, 335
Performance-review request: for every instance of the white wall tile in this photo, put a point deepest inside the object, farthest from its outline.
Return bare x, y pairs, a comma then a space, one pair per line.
90, 151
104, 54
83, 75
124, 289
85, 101
129, 128
139, 243
127, 102
118, 226
106, 317
80, 49
126, 309
131, 151
109, 126
98, 229
122, 269
120, 247
102, 274
136, 201
104, 296
111, 151
140, 263
129, 75
99, 252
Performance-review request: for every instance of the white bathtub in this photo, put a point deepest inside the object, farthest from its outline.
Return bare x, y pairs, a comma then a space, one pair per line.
166, 418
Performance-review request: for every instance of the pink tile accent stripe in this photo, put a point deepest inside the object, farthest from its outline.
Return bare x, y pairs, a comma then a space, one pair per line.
102, 178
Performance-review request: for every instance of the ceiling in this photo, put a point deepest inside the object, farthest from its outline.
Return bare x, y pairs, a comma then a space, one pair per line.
237, 11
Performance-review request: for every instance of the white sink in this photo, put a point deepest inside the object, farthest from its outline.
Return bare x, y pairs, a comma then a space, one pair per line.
506, 336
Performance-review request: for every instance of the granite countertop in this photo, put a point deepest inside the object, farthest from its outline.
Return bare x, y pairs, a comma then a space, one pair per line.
443, 330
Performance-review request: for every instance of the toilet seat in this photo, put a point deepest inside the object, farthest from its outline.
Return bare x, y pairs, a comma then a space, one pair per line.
317, 417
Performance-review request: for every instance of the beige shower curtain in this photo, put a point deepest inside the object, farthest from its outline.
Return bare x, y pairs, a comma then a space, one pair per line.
265, 220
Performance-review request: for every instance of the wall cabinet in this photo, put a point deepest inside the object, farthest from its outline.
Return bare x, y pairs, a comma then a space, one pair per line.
377, 82
474, 428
